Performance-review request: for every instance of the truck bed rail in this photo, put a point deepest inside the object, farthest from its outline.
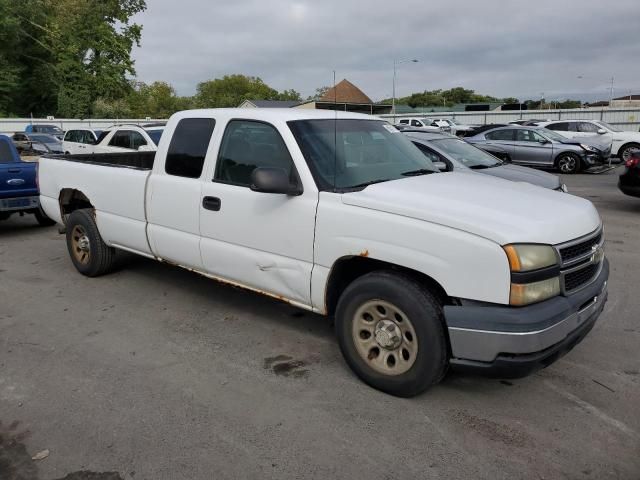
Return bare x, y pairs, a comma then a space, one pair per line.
135, 160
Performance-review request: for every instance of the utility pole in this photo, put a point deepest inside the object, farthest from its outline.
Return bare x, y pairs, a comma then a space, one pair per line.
393, 95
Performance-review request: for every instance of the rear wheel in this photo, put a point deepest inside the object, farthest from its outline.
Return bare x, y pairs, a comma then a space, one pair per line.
568, 163
88, 252
390, 330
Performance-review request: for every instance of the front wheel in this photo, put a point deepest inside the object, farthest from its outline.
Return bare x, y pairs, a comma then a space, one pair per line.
88, 252
627, 150
391, 333
568, 163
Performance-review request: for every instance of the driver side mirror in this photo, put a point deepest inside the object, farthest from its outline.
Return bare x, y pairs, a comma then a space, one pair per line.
440, 166
602, 131
273, 180
543, 141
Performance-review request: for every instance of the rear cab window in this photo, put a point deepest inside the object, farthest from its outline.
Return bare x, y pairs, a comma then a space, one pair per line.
188, 147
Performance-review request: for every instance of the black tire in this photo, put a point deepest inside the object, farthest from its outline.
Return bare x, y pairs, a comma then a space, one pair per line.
425, 315
625, 151
82, 232
568, 163
42, 218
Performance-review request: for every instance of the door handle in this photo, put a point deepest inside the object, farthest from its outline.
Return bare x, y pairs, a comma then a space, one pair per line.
14, 170
211, 203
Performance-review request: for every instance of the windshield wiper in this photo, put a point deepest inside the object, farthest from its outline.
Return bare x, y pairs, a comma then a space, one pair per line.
421, 171
371, 182
482, 167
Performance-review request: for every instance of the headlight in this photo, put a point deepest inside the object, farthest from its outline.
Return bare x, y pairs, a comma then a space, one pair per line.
526, 293
534, 273
589, 148
527, 257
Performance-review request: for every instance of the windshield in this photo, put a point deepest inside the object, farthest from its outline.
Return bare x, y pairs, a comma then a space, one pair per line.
607, 126
550, 134
155, 135
350, 154
466, 154
43, 138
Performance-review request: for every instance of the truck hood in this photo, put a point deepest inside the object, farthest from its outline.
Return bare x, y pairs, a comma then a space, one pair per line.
516, 173
499, 210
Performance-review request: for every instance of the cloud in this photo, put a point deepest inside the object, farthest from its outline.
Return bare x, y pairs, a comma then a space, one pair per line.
498, 47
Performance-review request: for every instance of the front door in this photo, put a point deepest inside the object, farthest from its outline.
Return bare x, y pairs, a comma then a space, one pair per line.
531, 148
259, 240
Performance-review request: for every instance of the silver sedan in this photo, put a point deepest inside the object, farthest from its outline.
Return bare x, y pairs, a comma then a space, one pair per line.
539, 147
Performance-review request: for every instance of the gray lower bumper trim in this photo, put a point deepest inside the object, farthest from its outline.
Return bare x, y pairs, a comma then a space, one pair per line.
485, 345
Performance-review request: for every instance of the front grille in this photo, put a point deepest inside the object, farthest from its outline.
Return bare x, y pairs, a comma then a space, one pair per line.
581, 249
578, 278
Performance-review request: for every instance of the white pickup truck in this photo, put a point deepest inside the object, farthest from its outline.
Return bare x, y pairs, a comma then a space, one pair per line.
340, 214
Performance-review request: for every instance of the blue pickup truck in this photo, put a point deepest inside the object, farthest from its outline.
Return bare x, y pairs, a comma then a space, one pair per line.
18, 185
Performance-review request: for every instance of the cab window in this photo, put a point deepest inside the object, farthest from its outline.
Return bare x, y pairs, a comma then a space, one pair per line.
247, 145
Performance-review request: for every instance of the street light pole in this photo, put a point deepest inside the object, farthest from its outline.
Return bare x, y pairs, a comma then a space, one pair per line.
393, 95
582, 77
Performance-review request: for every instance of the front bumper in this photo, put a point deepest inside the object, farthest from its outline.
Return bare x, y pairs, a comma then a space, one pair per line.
514, 342
19, 204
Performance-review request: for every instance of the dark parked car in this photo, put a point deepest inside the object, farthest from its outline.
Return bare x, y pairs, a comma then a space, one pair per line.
38, 142
539, 147
18, 186
450, 153
629, 182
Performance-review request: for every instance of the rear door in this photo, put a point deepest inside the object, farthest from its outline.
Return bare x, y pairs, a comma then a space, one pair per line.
531, 148
17, 178
174, 194
260, 240
504, 138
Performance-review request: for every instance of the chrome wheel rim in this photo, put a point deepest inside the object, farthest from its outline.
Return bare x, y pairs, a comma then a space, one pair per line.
384, 337
80, 245
626, 155
567, 164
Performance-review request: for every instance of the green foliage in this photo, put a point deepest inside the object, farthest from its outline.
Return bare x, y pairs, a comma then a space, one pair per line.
232, 90
320, 91
59, 56
448, 98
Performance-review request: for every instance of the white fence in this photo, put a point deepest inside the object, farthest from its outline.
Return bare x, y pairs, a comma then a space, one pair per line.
11, 125
622, 118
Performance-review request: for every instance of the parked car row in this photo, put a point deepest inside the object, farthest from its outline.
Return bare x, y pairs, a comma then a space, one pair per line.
436, 124
42, 139
425, 258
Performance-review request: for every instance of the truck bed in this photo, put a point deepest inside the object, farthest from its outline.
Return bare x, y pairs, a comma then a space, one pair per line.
135, 160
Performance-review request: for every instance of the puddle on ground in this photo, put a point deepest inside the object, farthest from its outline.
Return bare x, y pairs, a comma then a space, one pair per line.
16, 462
286, 366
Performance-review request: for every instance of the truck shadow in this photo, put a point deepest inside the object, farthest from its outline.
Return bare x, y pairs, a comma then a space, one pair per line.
219, 296
17, 226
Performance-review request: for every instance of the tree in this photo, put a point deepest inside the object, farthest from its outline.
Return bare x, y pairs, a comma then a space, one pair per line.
59, 56
320, 92
232, 90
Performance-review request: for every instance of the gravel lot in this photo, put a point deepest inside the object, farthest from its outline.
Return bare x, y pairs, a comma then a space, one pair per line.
157, 373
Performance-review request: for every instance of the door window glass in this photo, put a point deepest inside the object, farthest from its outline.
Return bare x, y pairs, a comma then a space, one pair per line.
559, 127
120, 139
188, 147
247, 145
587, 127
137, 140
6, 153
529, 136
506, 134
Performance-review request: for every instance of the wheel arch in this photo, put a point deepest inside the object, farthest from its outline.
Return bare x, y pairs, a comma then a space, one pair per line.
349, 268
625, 145
70, 200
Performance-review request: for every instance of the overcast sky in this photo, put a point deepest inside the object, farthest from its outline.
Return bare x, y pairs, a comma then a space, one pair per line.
496, 47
